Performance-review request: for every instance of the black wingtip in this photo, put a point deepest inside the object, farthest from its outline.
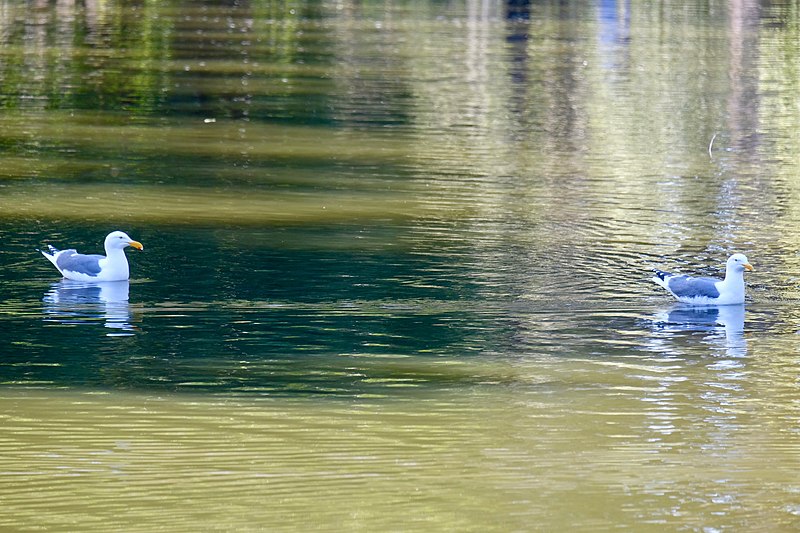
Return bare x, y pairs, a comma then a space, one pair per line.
661, 274
50, 250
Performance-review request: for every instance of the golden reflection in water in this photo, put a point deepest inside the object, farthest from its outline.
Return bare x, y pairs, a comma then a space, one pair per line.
653, 443
554, 154
187, 205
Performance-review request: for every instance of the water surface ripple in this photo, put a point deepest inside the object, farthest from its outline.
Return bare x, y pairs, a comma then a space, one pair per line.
396, 266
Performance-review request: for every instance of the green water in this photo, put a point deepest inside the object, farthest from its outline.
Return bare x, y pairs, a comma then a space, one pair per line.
396, 263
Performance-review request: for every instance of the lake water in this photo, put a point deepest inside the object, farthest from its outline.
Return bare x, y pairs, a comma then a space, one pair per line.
396, 266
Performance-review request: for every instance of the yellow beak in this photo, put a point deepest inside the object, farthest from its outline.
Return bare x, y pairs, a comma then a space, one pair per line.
747, 266
138, 246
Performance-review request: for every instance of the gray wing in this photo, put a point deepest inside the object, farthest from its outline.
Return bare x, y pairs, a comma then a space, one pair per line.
688, 287
75, 262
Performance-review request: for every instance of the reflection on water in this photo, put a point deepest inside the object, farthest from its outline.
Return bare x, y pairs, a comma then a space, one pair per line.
725, 323
77, 302
401, 256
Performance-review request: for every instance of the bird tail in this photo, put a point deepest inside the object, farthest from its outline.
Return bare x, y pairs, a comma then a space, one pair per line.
661, 278
51, 255
660, 274
50, 249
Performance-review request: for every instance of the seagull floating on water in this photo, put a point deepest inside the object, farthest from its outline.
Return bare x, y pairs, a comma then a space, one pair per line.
708, 291
110, 267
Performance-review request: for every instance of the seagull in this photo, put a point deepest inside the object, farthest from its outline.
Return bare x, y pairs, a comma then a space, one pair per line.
708, 291
110, 267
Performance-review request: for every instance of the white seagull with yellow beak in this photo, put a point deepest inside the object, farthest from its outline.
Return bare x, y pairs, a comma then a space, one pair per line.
708, 291
110, 267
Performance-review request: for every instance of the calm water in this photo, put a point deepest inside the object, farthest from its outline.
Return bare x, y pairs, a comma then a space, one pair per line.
396, 266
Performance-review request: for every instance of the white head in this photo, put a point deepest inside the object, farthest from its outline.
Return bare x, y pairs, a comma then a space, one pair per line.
117, 240
739, 263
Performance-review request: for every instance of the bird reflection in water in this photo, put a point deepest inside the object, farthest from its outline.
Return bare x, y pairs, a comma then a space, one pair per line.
717, 320
77, 302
